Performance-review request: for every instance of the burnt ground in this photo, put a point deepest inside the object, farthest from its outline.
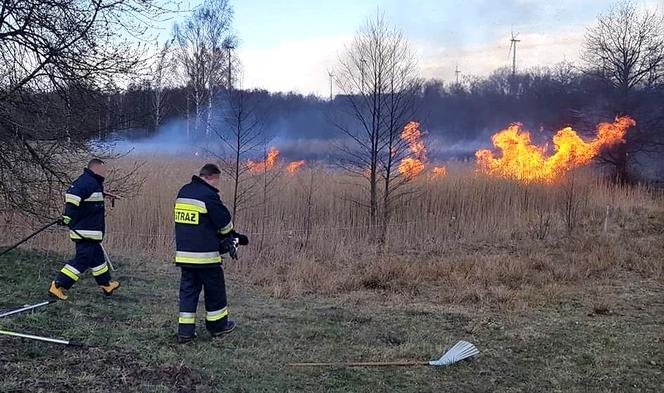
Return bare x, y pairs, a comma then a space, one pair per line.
604, 337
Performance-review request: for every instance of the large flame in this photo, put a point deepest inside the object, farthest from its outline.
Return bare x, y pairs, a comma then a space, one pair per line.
523, 161
295, 166
412, 166
270, 161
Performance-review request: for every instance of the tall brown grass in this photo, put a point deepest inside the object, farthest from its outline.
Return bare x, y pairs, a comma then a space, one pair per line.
478, 238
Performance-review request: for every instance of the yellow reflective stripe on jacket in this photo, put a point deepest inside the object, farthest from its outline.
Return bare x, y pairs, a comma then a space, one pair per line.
197, 257
99, 270
188, 318
216, 315
95, 197
73, 199
92, 235
225, 230
70, 272
191, 204
200, 261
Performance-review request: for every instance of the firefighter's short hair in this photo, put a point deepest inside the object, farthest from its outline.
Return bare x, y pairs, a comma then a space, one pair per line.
209, 170
95, 162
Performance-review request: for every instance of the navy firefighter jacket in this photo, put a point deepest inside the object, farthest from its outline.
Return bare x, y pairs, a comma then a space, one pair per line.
200, 218
84, 207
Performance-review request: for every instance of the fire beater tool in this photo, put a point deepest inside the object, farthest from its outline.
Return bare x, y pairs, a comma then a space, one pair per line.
31, 336
26, 308
40, 338
460, 351
40, 230
107, 258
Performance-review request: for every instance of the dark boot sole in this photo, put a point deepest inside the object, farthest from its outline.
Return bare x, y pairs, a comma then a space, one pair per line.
185, 340
221, 333
56, 297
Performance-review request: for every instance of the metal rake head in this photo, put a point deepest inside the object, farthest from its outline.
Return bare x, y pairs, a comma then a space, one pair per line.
460, 351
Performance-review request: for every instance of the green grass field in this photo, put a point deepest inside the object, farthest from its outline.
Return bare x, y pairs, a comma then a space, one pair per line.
582, 342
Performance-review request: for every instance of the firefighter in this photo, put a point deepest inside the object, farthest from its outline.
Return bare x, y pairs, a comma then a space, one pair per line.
84, 215
203, 232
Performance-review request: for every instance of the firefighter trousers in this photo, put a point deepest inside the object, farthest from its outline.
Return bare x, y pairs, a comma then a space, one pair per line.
211, 281
89, 255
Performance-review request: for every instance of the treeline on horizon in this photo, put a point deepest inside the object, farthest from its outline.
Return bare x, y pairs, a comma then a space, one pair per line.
544, 99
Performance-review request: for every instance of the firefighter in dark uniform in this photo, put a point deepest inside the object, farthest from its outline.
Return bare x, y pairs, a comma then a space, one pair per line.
203, 232
84, 215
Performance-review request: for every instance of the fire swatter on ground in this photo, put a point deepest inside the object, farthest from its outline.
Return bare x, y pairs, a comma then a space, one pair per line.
460, 351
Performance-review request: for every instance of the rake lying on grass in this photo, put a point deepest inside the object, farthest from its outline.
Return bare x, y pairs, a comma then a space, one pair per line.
460, 351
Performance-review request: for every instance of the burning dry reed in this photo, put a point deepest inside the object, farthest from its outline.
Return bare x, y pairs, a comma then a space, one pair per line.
477, 237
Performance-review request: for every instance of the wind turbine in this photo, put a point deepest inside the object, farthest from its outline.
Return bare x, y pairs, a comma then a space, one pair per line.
457, 72
331, 75
513, 42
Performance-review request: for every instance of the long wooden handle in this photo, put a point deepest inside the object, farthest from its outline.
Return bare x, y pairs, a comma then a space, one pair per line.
361, 364
40, 230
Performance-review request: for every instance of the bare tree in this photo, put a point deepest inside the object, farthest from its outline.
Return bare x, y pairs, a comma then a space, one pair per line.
56, 59
401, 105
626, 46
377, 75
266, 178
159, 83
241, 134
626, 50
202, 43
308, 218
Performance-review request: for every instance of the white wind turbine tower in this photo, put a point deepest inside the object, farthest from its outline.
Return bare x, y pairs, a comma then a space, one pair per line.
513, 42
331, 75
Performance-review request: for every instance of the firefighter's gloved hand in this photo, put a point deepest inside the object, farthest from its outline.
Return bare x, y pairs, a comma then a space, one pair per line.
233, 253
228, 246
243, 240
64, 221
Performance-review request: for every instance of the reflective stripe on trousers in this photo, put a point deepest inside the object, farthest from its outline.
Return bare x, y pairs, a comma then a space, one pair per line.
216, 315
187, 318
99, 270
71, 272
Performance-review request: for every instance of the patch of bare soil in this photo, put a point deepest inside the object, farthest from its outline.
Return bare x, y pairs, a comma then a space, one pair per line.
93, 369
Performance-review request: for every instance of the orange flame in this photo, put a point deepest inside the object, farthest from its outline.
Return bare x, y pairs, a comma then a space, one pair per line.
528, 163
295, 166
270, 161
438, 172
410, 167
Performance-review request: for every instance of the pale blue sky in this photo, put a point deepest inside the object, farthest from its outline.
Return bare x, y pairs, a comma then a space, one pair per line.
290, 45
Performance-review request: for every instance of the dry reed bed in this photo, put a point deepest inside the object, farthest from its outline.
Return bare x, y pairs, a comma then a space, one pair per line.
478, 238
